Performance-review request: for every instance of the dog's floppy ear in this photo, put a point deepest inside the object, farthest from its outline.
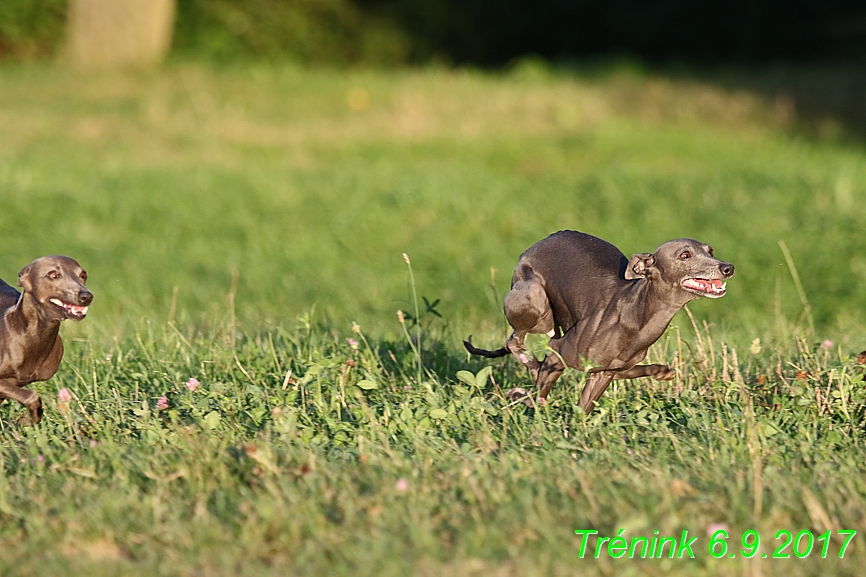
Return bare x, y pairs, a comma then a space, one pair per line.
24, 279
638, 265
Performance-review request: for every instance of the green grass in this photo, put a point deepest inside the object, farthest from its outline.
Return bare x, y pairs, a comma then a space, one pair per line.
236, 222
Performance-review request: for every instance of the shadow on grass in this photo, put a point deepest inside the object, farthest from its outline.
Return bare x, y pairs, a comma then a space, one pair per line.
826, 101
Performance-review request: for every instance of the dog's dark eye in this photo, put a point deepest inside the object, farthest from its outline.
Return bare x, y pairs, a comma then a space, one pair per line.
83, 276
685, 255
53, 275
710, 250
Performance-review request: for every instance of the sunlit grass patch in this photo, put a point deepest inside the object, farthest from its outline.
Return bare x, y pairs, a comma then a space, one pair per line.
295, 446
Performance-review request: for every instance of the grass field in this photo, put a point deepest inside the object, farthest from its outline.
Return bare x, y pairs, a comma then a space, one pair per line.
241, 225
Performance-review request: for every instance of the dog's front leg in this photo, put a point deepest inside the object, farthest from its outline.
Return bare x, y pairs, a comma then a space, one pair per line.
549, 372
26, 397
661, 372
546, 376
594, 389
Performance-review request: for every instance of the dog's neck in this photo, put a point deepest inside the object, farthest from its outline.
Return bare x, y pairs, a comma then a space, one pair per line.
657, 305
29, 316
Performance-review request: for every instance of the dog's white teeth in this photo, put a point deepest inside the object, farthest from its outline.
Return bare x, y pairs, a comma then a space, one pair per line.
68, 308
724, 286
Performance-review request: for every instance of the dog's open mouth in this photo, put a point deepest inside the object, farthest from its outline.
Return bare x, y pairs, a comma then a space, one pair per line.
72, 311
712, 288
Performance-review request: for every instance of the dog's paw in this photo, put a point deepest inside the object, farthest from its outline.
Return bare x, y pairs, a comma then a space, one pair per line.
517, 394
665, 373
33, 416
29, 420
522, 395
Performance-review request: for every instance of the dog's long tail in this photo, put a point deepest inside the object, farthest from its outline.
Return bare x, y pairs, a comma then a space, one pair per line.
484, 353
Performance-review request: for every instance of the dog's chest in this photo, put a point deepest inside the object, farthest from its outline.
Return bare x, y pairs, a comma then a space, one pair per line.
31, 363
615, 338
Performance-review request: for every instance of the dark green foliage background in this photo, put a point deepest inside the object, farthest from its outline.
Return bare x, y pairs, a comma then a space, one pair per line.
481, 31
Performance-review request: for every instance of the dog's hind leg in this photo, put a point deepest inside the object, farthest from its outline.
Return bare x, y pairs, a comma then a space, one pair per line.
527, 309
516, 345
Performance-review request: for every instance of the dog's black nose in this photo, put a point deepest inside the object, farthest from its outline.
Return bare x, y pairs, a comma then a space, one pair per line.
727, 269
85, 297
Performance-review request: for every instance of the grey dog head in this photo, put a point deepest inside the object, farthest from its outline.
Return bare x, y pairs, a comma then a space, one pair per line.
57, 283
683, 264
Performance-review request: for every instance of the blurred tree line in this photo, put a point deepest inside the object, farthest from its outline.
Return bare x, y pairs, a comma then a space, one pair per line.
31, 28
482, 32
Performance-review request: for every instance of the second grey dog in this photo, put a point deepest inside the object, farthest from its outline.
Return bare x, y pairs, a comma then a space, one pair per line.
602, 310
30, 345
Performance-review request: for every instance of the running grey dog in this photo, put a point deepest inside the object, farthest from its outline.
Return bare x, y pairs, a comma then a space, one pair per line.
30, 345
601, 310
